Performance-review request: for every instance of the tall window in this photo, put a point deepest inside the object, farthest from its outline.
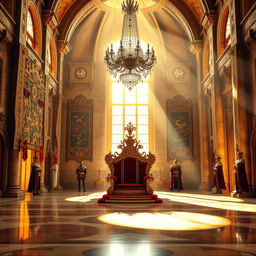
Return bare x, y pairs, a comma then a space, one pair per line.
49, 59
30, 36
130, 106
227, 32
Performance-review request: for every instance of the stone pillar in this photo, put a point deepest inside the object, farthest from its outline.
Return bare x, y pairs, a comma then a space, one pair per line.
14, 178
209, 24
196, 49
241, 98
63, 49
250, 39
216, 92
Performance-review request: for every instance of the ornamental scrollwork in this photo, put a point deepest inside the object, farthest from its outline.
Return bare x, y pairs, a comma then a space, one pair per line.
130, 147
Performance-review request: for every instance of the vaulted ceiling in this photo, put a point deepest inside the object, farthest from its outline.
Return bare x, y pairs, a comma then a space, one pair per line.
189, 13
197, 7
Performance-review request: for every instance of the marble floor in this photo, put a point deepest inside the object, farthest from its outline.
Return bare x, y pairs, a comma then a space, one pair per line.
70, 223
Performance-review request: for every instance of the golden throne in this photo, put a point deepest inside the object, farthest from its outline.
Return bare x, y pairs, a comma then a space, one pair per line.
130, 178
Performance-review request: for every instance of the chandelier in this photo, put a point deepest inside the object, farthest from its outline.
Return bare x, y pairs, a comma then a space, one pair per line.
130, 64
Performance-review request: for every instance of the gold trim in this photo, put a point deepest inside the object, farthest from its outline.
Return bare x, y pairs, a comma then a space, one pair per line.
130, 147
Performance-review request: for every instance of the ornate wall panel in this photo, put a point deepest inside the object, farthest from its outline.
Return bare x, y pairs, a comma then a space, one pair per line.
33, 104
79, 132
179, 129
19, 98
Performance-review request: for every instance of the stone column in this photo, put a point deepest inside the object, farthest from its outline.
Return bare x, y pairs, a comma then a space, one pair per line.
196, 49
250, 39
209, 23
241, 98
63, 49
14, 175
216, 92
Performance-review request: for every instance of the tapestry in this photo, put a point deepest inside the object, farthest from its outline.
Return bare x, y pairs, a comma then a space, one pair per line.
179, 129
79, 133
33, 105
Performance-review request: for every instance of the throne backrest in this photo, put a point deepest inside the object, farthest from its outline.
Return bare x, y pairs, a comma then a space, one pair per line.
130, 166
129, 170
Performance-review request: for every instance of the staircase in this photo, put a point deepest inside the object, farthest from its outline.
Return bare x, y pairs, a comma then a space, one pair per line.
130, 199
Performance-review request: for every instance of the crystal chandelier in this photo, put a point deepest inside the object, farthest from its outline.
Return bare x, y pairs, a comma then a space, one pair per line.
129, 64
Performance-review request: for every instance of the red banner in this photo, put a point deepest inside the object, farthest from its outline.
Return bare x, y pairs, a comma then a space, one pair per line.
25, 150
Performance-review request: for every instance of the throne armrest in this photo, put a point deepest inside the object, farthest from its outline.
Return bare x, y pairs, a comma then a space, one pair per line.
112, 181
147, 180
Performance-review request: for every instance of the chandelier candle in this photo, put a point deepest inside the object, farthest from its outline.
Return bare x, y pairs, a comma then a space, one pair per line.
130, 64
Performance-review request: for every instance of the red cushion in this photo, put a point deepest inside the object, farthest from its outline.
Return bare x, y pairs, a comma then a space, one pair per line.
130, 185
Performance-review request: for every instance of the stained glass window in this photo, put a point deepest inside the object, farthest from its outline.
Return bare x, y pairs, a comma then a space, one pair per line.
30, 30
130, 106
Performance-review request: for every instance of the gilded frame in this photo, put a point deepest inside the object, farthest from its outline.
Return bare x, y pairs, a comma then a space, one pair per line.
79, 129
179, 129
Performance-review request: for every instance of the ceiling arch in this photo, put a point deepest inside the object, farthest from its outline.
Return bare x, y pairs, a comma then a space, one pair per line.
71, 12
61, 7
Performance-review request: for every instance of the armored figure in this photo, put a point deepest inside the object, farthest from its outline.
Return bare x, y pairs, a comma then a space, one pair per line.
81, 173
175, 177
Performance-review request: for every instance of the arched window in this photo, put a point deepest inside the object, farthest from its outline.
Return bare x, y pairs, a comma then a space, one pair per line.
30, 36
206, 58
130, 106
227, 32
52, 57
49, 59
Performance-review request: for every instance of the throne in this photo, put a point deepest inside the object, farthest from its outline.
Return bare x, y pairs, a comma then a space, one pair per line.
130, 178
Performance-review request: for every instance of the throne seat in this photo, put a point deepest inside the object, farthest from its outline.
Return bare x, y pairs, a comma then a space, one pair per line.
130, 178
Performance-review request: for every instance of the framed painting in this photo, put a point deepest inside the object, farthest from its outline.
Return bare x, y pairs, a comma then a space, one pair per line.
79, 132
179, 129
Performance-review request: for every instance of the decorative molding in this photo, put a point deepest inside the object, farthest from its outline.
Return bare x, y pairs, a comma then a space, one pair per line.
63, 47
81, 72
207, 83
80, 129
196, 47
178, 72
225, 74
6, 21
209, 19
33, 103
50, 20
130, 147
19, 113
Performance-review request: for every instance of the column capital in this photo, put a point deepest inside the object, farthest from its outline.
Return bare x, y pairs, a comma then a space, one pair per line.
196, 47
50, 20
209, 19
63, 47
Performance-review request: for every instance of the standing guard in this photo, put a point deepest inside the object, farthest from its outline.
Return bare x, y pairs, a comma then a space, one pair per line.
175, 177
81, 173
34, 180
219, 182
241, 183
